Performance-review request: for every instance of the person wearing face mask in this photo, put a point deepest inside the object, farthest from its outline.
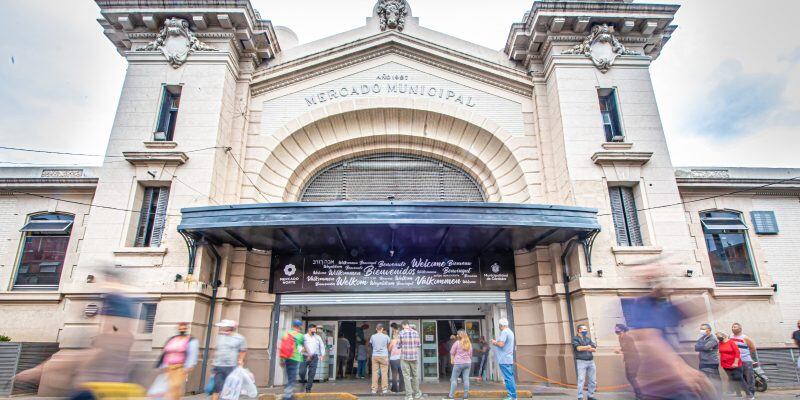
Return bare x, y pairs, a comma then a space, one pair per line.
178, 359
584, 355
707, 349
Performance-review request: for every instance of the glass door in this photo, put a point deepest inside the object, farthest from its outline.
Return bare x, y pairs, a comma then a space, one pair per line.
430, 351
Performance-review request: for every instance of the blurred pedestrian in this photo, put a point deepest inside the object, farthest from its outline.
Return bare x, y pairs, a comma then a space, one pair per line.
380, 360
584, 356
397, 384
448, 365
178, 359
707, 348
409, 354
748, 351
292, 363
314, 354
730, 359
630, 357
504, 353
230, 353
461, 360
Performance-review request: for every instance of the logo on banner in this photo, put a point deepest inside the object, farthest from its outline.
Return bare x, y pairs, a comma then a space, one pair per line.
495, 268
289, 269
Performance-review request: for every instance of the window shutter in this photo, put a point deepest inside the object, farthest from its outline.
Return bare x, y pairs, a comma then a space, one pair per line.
148, 316
618, 213
160, 218
631, 216
141, 231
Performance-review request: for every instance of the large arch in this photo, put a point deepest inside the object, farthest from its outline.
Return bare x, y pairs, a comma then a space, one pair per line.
297, 150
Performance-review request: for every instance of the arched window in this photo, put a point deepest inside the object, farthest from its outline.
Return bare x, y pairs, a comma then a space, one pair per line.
43, 250
392, 176
728, 247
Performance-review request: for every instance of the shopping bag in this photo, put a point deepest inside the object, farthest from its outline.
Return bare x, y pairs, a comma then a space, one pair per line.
159, 387
209, 389
232, 388
249, 388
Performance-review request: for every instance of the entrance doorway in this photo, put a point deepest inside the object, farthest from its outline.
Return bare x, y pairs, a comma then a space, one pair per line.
348, 344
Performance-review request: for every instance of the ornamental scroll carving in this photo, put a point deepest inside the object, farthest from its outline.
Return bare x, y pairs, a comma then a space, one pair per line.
176, 42
602, 46
392, 14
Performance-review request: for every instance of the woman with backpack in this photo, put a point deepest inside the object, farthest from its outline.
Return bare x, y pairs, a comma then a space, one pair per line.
178, 358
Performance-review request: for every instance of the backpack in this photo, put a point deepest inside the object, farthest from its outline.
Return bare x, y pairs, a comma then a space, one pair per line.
287, 347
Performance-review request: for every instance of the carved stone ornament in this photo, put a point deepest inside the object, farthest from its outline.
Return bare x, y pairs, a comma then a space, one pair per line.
392, 14
602, 47
176, 42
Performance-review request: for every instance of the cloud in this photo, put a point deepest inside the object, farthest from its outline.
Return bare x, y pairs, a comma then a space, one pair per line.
739, 102
791, 57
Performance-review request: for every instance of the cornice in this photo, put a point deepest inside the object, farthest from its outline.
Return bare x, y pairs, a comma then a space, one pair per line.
269, 79
144, 158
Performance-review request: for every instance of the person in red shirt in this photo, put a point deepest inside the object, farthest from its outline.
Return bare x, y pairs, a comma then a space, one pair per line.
730, 360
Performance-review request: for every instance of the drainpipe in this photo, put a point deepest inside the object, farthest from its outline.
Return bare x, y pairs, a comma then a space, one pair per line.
275, 327
568, 295
215, 282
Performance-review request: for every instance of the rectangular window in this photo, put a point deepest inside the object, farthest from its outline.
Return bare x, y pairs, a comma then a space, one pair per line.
168, 115
43, 251
626, 220
609, 110
152, 217
728, 250
148, 317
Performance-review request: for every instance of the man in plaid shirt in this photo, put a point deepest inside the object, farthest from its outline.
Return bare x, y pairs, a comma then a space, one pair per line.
409, 353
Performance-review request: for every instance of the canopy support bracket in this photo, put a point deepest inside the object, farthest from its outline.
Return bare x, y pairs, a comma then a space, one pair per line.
588, 242
191, 245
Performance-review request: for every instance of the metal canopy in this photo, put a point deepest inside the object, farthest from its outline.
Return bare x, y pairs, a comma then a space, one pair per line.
378, 227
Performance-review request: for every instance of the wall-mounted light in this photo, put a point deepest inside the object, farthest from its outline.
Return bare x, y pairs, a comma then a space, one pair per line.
178, 277
89, 278
689, 273
600, 273
774, 287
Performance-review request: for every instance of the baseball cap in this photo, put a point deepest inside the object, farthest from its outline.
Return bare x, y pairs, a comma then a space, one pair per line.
503, 322
226, 323
297, 323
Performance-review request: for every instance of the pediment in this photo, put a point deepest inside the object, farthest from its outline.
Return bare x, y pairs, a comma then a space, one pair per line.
300, 66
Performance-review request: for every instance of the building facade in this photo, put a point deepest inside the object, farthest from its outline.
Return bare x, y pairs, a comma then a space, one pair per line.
394, 172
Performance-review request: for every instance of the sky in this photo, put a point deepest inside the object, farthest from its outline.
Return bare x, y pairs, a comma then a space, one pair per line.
727, 83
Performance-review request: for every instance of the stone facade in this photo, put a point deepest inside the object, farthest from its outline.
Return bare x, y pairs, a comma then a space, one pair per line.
257, 120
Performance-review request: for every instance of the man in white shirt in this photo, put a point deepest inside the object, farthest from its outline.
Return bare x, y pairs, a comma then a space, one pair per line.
314, 353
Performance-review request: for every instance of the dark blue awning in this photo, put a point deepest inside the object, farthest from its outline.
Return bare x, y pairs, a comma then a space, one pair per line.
377, 227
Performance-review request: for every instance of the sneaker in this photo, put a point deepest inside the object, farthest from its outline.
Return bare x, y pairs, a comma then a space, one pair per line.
418, 396
448, 398
591, 398
385, 391
374, 392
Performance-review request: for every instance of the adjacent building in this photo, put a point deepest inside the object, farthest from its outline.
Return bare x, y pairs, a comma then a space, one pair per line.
394, 172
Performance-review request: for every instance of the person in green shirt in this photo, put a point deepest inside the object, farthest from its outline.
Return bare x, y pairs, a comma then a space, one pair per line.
291, 365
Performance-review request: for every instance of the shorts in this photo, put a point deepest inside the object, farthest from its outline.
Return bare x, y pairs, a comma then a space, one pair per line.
220, 375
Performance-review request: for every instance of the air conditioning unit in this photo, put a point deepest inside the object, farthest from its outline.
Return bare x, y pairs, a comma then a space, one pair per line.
618, 138
160, 136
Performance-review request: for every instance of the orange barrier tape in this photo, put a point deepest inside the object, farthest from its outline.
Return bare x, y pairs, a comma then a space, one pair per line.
569, 385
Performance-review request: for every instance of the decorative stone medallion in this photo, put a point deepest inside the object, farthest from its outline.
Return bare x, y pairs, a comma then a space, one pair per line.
176, 42
392, 14
602, 47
